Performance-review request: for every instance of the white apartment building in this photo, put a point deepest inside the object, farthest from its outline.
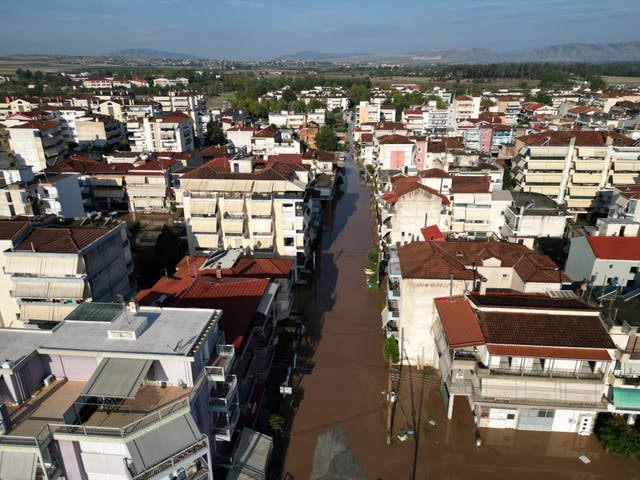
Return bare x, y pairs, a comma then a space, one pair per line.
172, 132
264, 211
524, 362
572, 166
53, 268
422, 271
36, 143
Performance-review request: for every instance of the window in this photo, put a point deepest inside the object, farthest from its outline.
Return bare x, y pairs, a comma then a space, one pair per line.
289, 242
511, 416
505, 275
633, 270
546, 413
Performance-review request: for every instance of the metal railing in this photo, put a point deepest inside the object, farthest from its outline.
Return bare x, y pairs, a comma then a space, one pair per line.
548, 373
139, 424
169, 463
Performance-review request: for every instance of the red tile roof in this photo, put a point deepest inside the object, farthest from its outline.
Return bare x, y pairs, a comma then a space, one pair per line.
437, 260
287, 157
470, 184
73, 164
394, 140
434, 173
172, 117
459, 322
584, 138
61, 239
518, 328
9, 229
631, 191
402, 185
432, 234
615, 248
271, 171
237, 298
38, 125
245, 267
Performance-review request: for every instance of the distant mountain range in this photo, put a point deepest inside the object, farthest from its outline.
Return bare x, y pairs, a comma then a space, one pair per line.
566, 53
151, 53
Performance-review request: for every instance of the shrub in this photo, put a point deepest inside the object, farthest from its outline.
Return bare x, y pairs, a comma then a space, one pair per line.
391, 350
619, 438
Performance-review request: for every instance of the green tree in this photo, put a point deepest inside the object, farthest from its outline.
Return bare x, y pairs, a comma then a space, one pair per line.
544, 98
619, 438
276, 423
326, 139
507, 180
487, 102
215, 135
391, 350
123, 146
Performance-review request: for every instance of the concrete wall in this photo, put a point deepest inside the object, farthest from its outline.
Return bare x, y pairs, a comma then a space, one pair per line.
417, 313
72, 367
580, 260
414, 210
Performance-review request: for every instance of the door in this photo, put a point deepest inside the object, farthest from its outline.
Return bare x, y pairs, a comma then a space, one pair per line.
585, 423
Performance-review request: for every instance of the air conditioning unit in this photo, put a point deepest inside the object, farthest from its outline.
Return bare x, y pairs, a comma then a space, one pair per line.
49, 379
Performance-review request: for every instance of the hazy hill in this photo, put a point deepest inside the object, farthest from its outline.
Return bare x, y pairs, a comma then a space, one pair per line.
151, 53
585, 52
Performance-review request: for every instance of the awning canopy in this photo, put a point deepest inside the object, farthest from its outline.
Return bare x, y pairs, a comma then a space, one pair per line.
252, 456
626, 398
117, 378
18, 465
163, 442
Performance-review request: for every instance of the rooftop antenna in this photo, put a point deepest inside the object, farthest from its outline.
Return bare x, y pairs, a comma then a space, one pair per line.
451, 287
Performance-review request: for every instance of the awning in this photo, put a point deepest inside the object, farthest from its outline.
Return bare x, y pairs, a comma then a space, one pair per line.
163, 442
117, 378
252, 456
626, 398
18, 465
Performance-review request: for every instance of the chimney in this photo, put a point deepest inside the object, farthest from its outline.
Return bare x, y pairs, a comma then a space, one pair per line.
219, 271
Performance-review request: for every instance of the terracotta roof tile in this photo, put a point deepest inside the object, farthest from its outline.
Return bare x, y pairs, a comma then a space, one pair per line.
61, 239
615, 248
459, 322
584, 138
470, 184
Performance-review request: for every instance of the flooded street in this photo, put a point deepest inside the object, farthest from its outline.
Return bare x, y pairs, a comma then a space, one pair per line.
342, 377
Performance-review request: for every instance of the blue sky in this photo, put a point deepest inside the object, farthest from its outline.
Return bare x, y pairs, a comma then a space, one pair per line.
263, 29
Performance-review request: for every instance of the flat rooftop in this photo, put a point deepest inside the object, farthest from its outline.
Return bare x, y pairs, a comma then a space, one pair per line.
160, 331
16, 344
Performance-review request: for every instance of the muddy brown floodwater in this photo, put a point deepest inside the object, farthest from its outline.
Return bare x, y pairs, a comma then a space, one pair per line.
344, 376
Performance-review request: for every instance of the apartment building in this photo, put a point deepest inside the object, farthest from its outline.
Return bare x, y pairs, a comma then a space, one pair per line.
266, 211
148, 184
170, 82
240, 138
99, 131
81, 402
621, 320
190, 103
533, 215
511, 107
604, 261
172, 132
572, 166
525, 362
422, 271
53, 268
367, 113
36, 143
407, 208
395, 152
466, 106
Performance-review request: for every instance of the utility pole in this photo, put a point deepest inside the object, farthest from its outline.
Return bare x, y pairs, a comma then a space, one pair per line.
378, 269
389, 404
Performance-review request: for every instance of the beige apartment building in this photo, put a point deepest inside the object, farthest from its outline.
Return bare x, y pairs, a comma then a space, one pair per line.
36, 143
172, 132
263, 211
53, 268
571, 166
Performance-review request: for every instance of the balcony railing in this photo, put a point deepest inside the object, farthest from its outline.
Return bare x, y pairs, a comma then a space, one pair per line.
218, 369
89, 430
548, 373
169, 464
221, 394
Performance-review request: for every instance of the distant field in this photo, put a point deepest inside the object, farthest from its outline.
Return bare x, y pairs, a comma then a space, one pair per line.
616, 80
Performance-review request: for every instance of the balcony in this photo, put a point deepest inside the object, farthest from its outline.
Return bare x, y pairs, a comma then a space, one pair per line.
226, 424
623, 381
169, 465
218, 369
464, 360
584, 373
222, 393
